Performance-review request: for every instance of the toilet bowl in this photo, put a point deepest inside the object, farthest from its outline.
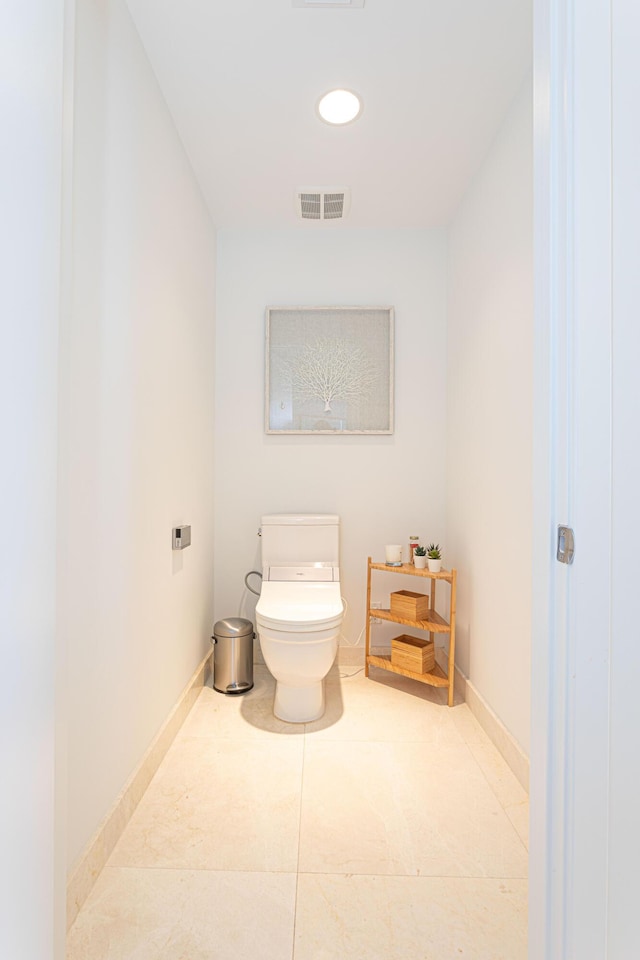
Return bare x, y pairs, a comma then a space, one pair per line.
299, 612
298, 626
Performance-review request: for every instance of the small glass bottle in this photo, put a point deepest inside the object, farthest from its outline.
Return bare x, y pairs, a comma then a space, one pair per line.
413, 543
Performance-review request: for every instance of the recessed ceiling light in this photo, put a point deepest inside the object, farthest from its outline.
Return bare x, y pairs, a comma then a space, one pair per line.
339, 107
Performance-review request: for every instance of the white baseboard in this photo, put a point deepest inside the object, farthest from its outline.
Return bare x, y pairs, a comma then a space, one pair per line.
350, 656
86, 870
505, 743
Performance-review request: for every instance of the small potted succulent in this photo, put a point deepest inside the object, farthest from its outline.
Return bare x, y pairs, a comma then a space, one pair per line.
420, 557
434, 557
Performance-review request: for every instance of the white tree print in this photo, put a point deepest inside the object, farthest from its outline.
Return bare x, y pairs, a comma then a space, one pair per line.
332, 369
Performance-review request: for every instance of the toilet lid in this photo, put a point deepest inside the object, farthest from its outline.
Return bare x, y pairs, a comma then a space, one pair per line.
299, 602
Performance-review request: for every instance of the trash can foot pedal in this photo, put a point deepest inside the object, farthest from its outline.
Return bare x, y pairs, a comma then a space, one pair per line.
238, 687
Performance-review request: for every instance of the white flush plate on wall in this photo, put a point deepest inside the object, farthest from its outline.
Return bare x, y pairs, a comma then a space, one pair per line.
327, 3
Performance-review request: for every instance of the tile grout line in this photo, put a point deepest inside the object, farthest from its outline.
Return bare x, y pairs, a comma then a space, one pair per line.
295, 900
325, 873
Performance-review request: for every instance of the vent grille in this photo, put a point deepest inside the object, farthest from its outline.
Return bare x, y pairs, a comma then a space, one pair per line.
311, 206
322, 204
333, 206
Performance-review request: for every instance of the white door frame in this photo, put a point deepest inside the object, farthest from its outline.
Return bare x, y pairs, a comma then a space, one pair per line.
36, 45
572, 480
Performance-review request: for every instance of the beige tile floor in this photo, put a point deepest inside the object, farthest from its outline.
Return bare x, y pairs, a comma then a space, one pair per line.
391, 829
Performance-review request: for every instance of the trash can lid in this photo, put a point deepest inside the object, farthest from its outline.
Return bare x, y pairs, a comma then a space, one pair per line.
232, 627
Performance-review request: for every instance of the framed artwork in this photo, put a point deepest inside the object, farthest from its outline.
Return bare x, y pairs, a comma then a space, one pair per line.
329, 370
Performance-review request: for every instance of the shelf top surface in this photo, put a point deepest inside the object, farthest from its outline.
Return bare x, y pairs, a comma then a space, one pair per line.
411, 571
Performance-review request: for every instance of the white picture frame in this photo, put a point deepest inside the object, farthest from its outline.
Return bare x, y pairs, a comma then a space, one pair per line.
329, 370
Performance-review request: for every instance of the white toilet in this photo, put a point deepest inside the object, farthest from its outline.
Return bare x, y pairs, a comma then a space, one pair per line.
300, 609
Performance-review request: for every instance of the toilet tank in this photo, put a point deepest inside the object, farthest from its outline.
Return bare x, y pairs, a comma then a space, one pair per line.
290, 538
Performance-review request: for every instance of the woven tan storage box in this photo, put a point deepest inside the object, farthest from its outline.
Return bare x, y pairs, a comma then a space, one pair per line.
412, 606
413, 653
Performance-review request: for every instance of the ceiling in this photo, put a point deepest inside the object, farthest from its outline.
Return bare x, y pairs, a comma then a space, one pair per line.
242, 79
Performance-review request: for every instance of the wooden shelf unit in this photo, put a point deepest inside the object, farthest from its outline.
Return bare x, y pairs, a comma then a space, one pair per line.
434, 623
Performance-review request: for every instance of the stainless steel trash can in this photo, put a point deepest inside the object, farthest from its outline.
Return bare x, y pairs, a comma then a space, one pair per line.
233, 655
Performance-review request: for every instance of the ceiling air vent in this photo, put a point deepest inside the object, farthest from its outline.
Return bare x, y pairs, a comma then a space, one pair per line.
323, 203
327, 3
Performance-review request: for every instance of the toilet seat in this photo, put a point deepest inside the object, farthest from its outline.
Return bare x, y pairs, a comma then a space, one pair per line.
300, 608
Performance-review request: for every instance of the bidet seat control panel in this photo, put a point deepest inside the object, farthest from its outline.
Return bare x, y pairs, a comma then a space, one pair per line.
181, 537
306, 573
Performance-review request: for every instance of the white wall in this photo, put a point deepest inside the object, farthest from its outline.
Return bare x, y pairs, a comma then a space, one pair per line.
383, 488
136, 418
489, 421
31, 176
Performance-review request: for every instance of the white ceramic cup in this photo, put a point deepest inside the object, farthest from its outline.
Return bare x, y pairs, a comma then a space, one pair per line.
393, 553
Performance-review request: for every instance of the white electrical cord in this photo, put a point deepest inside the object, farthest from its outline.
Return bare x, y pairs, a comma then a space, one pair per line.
348, 643
348, 676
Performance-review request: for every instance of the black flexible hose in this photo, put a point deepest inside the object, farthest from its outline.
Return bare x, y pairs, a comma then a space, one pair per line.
250, 589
